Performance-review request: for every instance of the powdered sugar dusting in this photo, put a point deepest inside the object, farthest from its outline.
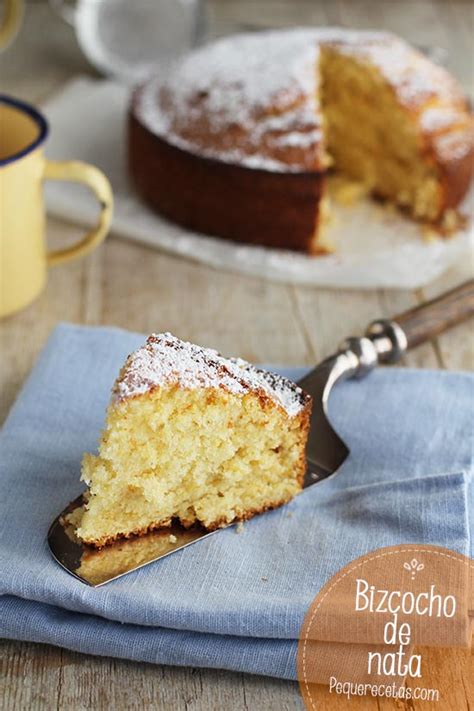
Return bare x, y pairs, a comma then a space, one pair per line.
234, 99
453, 146
237, 75
440, 118
165, 360
415, 78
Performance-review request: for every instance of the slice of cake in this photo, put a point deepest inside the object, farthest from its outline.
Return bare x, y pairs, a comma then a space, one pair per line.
192, 437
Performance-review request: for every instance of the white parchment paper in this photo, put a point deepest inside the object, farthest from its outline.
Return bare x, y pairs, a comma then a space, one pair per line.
376, 247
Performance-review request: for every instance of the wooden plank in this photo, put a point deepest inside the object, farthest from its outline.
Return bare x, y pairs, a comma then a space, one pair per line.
351, 313
237, 315
330, 317
39, 677
30, 676
93, 287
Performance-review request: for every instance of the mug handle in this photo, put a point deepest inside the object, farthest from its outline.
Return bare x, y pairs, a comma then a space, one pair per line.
12, 18
78, 172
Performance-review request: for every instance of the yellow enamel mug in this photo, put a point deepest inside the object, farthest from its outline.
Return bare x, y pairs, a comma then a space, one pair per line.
23, 168
11, 12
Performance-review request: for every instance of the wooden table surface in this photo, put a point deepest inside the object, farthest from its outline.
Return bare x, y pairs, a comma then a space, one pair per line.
137, 288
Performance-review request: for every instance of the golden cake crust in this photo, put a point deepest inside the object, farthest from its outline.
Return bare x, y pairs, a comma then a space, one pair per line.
233, 201
232, 143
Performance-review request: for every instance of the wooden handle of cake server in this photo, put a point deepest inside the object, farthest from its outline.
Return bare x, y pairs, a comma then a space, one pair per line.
427, 321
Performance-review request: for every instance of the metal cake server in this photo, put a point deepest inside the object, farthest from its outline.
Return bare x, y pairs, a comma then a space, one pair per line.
385, 342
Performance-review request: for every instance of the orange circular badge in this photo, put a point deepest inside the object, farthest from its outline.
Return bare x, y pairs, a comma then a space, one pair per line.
392, 627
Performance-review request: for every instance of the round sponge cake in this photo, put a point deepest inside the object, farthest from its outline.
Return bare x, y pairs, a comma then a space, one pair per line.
238, 139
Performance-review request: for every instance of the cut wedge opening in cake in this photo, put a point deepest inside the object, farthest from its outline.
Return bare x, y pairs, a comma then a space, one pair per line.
193, 437
371, 137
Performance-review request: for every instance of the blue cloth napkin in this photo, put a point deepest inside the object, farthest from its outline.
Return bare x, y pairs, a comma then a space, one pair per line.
234, 601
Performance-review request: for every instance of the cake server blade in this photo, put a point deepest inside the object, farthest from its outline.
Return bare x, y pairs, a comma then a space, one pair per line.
96, 567
385, 342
